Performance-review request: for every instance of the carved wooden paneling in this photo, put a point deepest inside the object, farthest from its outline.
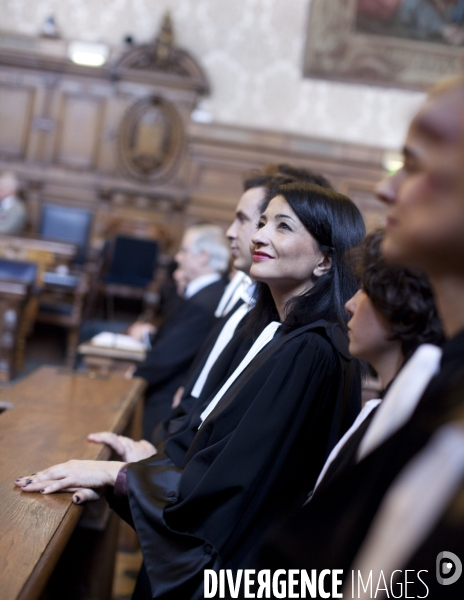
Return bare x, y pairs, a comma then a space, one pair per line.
14, 132
118, 140
220, 155
80, 129
116, 107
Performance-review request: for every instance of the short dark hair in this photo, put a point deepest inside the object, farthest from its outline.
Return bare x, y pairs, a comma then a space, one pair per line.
337, 226
298, 174
402, 295
273, 175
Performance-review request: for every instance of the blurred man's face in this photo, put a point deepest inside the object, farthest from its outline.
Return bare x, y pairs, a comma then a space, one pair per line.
190, 264
6, 189
244, 226
425, 220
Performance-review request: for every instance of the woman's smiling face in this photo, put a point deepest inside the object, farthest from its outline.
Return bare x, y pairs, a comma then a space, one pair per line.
285, 255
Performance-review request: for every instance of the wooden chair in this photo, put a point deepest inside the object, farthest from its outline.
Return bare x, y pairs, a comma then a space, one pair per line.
18, 303
62, 303
43, 260
63, 294
130, 269
67, 224
13, 299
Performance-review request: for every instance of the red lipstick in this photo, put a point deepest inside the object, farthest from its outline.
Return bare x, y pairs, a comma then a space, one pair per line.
260, 256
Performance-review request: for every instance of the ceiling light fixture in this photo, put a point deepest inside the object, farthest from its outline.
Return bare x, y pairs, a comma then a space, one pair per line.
89, 54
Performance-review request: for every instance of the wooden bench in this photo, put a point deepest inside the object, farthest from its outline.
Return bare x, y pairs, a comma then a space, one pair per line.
53, 411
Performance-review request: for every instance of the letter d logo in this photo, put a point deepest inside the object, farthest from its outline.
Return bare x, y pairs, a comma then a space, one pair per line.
449, 568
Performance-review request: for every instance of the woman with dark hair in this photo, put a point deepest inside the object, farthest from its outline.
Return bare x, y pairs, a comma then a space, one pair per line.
392, 314
248, 454
329, 218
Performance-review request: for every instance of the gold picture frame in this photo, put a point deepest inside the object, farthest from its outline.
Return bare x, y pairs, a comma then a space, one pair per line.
337, 50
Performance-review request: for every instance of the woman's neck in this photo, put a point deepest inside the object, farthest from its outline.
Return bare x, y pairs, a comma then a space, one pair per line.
282, 297
389, 363
449, 298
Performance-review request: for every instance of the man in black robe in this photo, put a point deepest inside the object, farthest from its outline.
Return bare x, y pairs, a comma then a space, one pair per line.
202, 259
425, 229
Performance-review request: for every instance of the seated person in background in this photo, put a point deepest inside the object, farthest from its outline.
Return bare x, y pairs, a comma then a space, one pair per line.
13, 215
202, 260
170, 295
262, 439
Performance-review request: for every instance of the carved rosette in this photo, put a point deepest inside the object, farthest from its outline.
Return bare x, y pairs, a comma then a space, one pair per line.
151, 140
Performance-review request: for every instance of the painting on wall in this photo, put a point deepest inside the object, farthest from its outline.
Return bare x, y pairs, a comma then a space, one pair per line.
403, 43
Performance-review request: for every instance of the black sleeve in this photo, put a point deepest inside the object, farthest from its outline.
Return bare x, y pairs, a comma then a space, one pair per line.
176, 345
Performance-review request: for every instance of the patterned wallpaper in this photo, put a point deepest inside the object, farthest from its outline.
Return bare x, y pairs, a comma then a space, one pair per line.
252, 52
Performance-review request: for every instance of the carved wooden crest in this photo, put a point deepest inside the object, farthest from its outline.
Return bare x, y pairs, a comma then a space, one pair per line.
151, 139
163, 57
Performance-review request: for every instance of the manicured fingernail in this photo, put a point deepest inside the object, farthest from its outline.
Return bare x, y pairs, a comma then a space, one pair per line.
42, 491
77, 499
28, 481
32, 475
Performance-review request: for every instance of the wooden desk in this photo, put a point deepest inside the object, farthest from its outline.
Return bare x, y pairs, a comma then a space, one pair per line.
89, 349
104, 360
53, 411
64, 252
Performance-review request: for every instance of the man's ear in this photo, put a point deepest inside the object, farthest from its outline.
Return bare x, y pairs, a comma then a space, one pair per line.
203, 258
323, 266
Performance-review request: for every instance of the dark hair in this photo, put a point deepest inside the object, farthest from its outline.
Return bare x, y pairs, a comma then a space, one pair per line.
298, 174
274, 175
403, 296
337, 226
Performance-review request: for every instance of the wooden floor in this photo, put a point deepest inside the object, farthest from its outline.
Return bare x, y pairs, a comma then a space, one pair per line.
127, 568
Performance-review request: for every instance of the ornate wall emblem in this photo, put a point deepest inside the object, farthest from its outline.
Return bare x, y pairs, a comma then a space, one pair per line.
151, 139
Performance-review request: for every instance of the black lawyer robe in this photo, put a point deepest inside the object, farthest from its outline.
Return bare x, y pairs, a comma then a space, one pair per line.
205, 350
174, 347
225, 365
212, 496
328, 531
